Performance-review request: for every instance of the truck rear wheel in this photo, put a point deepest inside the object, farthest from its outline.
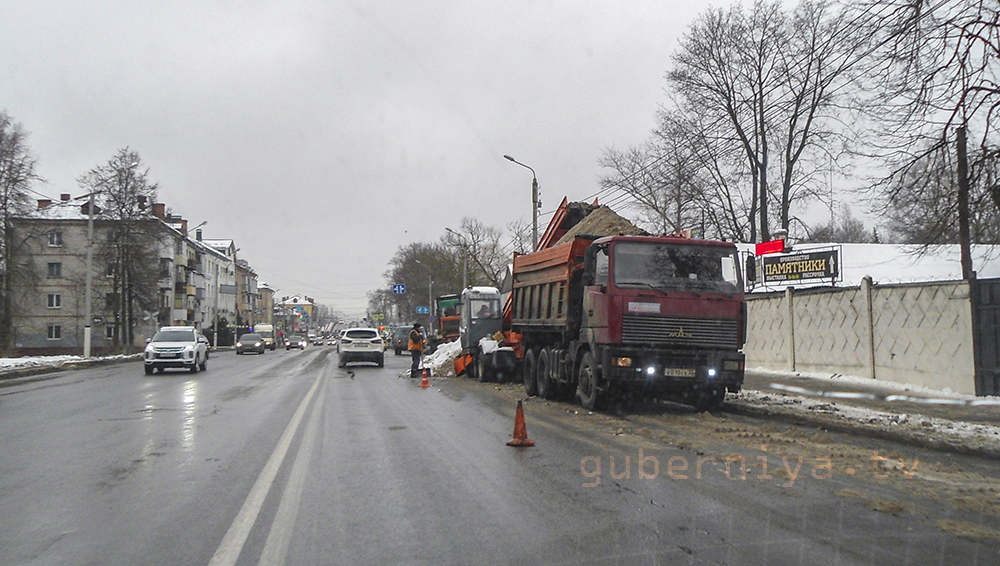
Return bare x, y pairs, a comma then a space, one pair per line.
530, 366
544, 383
587, 389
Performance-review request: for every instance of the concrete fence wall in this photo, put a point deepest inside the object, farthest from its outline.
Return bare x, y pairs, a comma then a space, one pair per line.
918, 333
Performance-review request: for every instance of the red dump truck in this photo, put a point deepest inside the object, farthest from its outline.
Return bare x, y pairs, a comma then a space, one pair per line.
629, 315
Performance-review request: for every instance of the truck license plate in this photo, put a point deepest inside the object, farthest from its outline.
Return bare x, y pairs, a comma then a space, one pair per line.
679, 372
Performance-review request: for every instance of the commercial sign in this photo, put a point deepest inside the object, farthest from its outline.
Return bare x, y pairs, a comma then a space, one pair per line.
772, 247
800, 267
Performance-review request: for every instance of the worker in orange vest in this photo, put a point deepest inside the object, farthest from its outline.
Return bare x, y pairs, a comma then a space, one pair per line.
416, 348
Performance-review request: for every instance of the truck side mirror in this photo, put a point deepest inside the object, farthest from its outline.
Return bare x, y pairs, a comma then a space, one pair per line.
751, 268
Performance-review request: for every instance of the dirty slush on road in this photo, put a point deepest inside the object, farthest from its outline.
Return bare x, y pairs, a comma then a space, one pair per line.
958, 494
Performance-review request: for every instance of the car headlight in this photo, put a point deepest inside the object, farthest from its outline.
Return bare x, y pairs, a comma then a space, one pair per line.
239, 344
189, 348
257, 345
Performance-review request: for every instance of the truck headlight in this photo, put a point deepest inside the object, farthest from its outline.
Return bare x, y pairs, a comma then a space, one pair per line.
622, 362
732, 365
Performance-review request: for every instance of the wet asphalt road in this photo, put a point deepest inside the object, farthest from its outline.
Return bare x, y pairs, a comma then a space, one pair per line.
286, 459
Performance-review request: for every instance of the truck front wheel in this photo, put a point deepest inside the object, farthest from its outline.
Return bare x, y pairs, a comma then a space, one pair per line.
587, 389
483, 369
530, 385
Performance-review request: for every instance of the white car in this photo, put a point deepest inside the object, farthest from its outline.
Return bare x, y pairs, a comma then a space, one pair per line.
361, 345
175, 347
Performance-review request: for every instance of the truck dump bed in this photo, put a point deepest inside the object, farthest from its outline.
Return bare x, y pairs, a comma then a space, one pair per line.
541, 285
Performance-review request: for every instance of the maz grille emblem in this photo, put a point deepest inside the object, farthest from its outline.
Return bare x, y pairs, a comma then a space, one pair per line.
680, 334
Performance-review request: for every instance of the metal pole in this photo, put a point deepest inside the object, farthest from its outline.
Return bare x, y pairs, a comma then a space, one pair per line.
534, 202
88, 315
534, 211
215, 324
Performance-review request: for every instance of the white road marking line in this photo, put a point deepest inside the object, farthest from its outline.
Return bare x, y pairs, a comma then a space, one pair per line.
276, 548
232, 543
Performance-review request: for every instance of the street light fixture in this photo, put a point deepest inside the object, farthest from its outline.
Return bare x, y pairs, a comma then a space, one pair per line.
534, 202
465, 257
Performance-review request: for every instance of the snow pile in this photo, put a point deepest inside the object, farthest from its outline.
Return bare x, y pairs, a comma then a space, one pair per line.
32, 362
881, 387
442, 361
975, 435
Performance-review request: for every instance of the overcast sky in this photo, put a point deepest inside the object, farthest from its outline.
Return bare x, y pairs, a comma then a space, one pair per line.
322, 135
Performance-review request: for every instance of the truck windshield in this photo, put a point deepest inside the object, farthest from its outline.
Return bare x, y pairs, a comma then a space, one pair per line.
676, 267
485, 308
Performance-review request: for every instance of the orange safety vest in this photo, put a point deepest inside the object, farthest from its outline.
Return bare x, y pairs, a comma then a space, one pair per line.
416, 341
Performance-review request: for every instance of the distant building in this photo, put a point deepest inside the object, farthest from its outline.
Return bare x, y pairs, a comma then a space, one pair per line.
247, 309
220, 284
181, 281
302, 309
48, 281
266, 304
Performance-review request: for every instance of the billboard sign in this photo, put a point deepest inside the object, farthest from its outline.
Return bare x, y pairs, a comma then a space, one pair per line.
801, 266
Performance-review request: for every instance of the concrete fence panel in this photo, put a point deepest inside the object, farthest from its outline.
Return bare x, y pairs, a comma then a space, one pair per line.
907, 333
923, 335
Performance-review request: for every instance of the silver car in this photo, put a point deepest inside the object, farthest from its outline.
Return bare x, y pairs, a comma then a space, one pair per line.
175, 347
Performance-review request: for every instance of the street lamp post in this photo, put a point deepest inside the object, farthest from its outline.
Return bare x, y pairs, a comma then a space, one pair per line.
465, 258
534, 202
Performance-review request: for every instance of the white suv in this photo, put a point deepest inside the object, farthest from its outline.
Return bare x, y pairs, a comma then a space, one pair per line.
175, 347
361, 345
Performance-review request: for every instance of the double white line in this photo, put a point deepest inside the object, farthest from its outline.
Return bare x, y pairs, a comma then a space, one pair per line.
276, 547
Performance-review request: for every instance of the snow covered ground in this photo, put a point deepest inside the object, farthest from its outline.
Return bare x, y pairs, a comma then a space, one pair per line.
33, 362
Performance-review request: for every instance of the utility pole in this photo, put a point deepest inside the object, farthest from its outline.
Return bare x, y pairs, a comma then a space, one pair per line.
88, 315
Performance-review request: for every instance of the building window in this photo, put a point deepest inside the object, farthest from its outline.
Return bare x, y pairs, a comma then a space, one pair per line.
55, 301
110, 300
55, 332
55, 269
109, 331
55, 239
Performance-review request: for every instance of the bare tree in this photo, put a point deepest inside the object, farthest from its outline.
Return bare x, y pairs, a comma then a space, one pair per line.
487, 257
842, 229
767, 82
519, 238
922, 206
659, 179
123, 191
936, 85
17, 173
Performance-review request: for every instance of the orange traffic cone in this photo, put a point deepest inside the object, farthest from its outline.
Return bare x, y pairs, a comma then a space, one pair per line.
520, 431
424, 382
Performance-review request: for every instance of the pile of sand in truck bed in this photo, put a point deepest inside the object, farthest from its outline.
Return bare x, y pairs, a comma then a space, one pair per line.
603, 222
